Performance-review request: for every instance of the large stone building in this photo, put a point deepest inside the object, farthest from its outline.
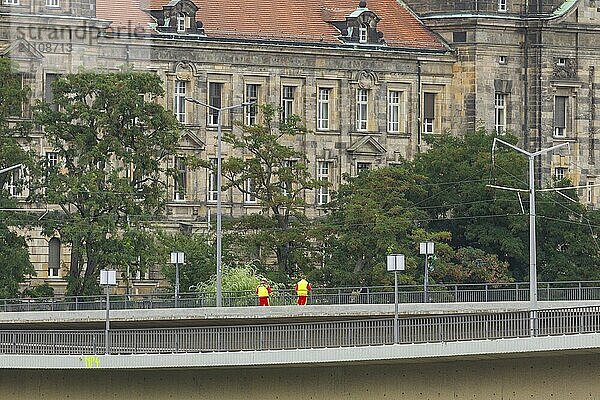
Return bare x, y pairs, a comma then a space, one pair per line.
369, 80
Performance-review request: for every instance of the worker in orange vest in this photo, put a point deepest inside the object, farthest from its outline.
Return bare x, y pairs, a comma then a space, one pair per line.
263, 291
302, 289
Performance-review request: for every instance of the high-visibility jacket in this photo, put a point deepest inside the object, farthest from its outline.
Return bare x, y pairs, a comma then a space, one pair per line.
262, 291
302, 288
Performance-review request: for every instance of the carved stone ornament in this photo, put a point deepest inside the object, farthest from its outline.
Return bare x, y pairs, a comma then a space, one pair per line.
184, 70
566, 71
366, 79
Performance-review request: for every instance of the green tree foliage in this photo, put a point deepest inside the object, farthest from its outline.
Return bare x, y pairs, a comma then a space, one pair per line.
14, 253
200, 261
279, 175
458, 201
371, 215
468, 265
114, 142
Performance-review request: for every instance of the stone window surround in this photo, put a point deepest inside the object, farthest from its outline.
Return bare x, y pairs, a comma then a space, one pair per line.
403, 120
438, 91
226, 99
570, 95
334, 101
299, 96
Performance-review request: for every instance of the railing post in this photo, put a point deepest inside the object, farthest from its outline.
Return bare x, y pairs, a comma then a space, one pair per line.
579, 297
339, 296
486, 292
368, 296
14, 343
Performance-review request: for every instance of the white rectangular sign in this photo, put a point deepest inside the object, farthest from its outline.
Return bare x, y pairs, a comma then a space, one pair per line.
108, 277
395, 262
426, 247
177, 257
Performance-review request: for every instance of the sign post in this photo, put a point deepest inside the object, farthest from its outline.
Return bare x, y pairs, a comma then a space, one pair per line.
426, 248
177, 257
395, 263
108, 278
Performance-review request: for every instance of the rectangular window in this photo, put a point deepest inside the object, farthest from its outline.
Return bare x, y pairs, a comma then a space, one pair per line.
250, 191
251, 97
215, 99
212, 191
54, 258
180, 184
502, 5
362, 109
287, 102
52, 3
286, 184
394, 97
428, 112
323, 109
560, 115
590, 191
560, 173
362, 166
48, 94
12, 185
323, 168
500, 112
179, 106
181, 22
363, 33
10, 2
52, 159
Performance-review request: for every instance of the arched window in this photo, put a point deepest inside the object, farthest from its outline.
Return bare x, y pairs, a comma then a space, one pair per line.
54, 257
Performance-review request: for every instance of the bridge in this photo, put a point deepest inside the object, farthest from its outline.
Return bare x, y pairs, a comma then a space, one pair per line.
485, 350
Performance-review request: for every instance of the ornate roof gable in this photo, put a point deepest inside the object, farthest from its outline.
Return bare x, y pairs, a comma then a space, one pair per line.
360, 27
178, 16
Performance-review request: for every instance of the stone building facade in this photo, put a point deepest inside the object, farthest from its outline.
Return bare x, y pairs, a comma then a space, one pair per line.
368, 80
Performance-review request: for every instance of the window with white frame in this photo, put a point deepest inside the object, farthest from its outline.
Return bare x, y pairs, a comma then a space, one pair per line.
52, 3
251, 96
323, 117
286, 184
287, 101
428, 112
179, 106
323, 171
54, 258
362, 109
502, 5
12, 185
180, 181
212, 193
250, 190
363, 33
394, 97
500, 112
590, 191
362, 167
51, 159
181, 22
215, 99
10, 2
560, 115
560, 173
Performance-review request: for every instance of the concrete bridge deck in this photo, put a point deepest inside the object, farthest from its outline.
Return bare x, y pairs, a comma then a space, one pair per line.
177, 317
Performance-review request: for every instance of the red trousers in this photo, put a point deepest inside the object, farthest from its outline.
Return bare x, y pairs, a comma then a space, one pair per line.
302, 300
263, 301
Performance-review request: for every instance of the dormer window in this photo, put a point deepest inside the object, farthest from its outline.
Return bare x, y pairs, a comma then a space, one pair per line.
181, 22
363, 33
360, 26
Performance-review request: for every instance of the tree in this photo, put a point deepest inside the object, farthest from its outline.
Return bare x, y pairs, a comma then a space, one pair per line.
113, 140
458, 201
14, 252
371, 215
276, 176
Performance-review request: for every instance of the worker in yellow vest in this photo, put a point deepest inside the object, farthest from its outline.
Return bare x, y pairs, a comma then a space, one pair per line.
302, 289
263, 291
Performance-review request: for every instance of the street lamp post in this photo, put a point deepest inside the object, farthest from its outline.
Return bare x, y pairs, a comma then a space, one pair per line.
219, 203
533, 294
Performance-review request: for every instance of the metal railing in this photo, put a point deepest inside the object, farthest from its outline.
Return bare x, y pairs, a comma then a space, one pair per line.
438, 293
369, 332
